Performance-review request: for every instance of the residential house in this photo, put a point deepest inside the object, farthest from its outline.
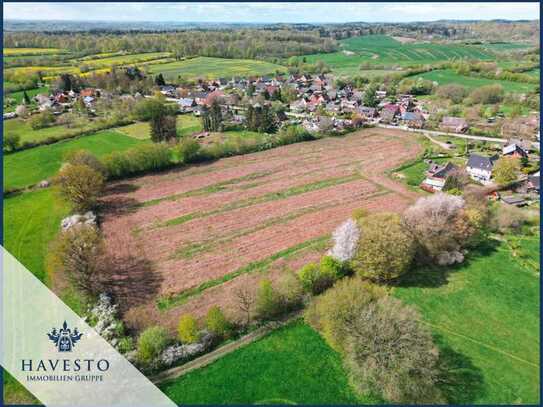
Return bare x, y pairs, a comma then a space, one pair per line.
514, 150
389, 113
480, 167
413, 120
367, 112
454, 124
186, 104
533, 182
436, 176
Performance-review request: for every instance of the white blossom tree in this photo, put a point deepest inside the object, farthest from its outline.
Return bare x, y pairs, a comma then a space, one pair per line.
345, 239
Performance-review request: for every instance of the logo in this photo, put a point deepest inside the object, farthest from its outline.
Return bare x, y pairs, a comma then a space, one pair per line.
65, 339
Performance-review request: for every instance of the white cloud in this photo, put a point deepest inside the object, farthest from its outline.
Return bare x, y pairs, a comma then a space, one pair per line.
269, 12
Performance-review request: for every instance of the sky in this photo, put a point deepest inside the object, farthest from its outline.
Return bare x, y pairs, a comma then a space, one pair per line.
270, 12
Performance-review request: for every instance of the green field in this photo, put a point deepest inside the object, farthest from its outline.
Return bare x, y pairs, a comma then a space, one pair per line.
484, 315
448, 76
121, 59
205, 67
28, 167
187, 124
386, 51
292, 365
31, 220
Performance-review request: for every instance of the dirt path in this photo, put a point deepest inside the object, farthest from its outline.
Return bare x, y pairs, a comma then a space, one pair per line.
218, 353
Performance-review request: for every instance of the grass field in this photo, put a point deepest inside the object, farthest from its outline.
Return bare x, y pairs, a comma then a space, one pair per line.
447, 76
187, 124
32, 51
121, 59
206, 67
485, 314
31, 220
28, 167
293, 365
385, 50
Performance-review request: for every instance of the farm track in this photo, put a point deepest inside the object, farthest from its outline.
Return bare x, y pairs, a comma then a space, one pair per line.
205, 223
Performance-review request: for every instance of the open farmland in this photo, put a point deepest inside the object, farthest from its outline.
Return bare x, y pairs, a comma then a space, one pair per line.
448, 76
205, 67
106, 61
208, 228
31, 51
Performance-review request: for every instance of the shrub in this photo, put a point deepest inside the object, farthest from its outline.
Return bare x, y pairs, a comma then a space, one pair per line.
217, 323
11, 142
77, 255
268, 301
80, 185
331, 312
41, 120
506, 170
126, 344
308, 276
441, 224
151, 343
147, 157
187, 329
188, 150
83, 157
345, 239
508, 218
293, 134
331, 268
455, 93
489, 94
291, 291
390, 352
385, 249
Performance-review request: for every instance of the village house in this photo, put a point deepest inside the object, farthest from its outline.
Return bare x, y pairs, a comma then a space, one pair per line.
436, 176
533, 182
186, 104
454, 124
480, 167
514, 150
389, 113
413, 120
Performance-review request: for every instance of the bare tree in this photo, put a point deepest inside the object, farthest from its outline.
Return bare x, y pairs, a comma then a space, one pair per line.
246, 299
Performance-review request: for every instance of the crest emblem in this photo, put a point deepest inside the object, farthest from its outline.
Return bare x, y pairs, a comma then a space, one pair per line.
64, 338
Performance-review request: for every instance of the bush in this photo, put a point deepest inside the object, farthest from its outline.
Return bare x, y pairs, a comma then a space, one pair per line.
293, 134
455, 93
83, 157
385, 249
126, 344
508, 218
489, 94
390, 352
217, 323
268, 301
147, 157
188, 150
506, 170
41, 120
77, 255
331, 312
331, 268
315, 279
80, 185
151, 343
187, 330
291, 291
11, 142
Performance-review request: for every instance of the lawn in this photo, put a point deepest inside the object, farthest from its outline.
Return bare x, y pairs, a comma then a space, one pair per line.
18, 97
292, 365
447, 76
187, 124
206, 67
485, 315
29, 167
31, 221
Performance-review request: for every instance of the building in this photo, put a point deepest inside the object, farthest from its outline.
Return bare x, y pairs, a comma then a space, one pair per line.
414, 120
514, 150
454, 124
436, 176
480, 168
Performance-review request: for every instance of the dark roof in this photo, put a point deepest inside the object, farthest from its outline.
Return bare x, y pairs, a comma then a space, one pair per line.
481, 162
412, 116
441, 171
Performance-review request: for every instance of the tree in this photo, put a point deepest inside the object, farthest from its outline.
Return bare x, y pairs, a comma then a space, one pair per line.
487, 95
246, 300
441, 227
453, 92
370, 98
26, 99
390, 352
331, 312
506, 170
188, 150
268, 303
80, 185
78, 255
11, 142
217, 323
163, 126
83, 157
151, 343
212, 119
42, 120
159, 80
385, 249
187, 330
345, 239
21, 111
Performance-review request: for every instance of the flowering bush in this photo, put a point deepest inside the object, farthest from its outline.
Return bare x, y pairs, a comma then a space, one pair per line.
345, 239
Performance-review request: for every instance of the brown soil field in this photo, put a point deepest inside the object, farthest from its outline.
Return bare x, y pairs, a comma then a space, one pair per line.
228, 223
